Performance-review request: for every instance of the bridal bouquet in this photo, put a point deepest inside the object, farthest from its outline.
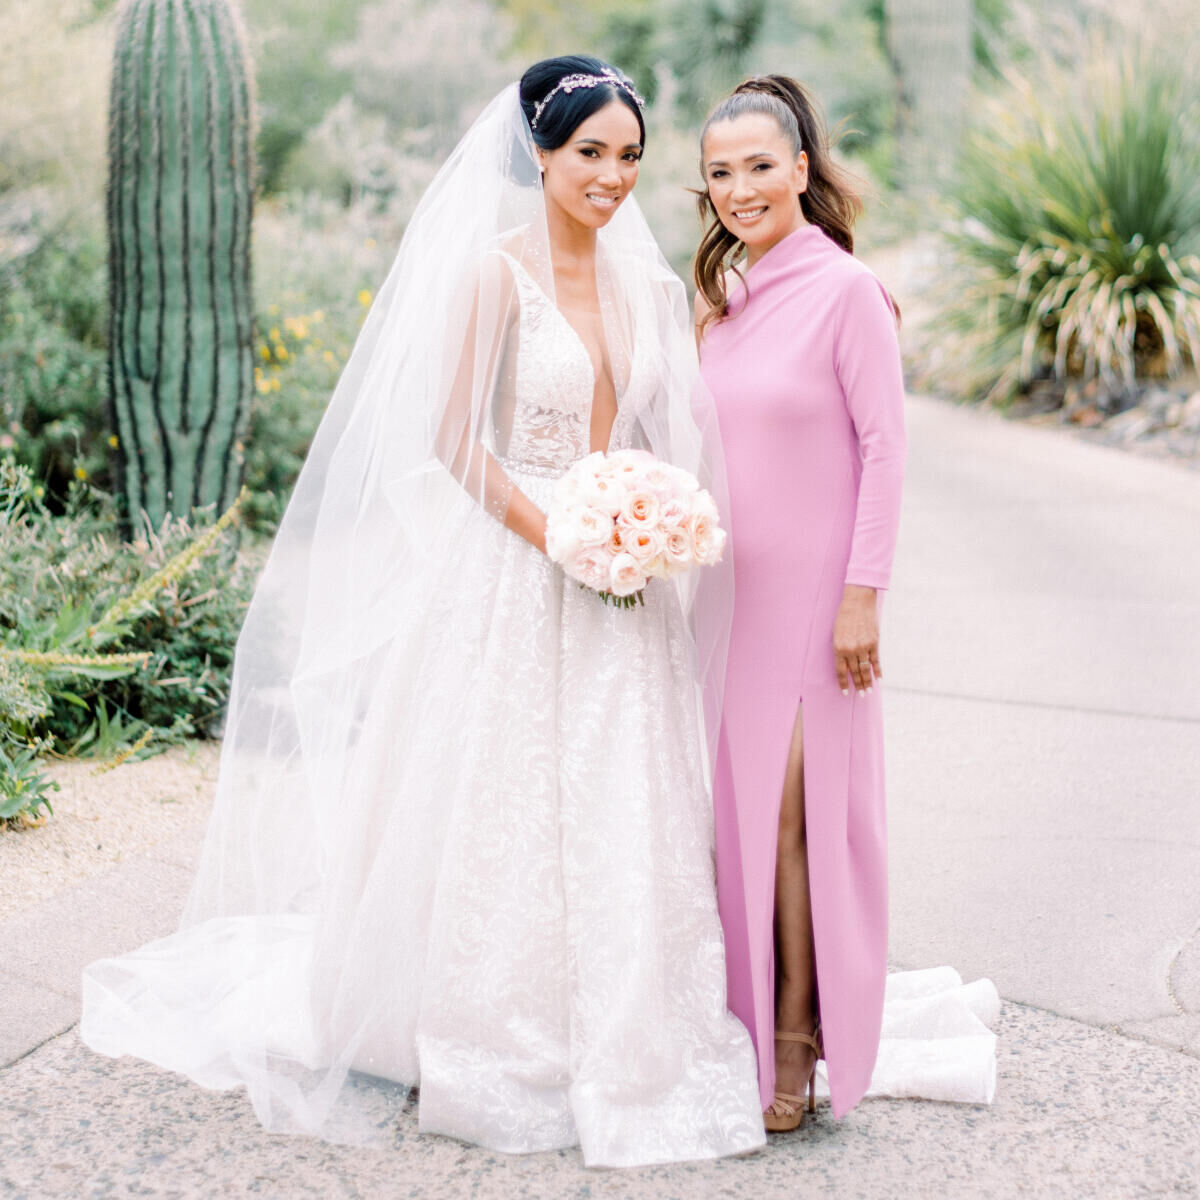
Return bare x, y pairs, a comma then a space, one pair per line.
616, 521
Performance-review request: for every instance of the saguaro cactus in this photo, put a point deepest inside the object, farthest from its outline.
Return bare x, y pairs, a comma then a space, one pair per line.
180, 196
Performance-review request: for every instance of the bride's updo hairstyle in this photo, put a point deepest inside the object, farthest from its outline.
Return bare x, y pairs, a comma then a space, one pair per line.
566, 110
831, 200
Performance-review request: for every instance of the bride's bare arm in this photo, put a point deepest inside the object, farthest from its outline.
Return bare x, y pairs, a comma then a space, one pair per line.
474, 373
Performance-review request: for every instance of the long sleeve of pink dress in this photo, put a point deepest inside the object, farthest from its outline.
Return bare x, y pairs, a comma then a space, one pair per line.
807, 379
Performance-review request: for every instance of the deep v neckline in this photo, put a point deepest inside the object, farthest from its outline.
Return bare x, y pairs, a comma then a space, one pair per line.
580, 345
548, 300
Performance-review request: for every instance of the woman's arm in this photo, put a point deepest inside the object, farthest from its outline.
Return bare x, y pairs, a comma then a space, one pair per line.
474, 372
867, 361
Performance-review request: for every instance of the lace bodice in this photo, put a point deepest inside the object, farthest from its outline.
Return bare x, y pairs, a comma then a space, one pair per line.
544, 398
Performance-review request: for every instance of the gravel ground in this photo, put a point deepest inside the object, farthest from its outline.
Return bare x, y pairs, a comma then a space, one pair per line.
1080, 1114
100, 820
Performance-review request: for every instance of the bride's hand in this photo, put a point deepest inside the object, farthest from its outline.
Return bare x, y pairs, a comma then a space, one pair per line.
856, 639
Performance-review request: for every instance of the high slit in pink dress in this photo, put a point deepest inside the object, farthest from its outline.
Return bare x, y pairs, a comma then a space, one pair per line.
807, 379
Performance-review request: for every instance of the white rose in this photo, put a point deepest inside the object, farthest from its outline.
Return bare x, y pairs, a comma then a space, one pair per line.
603, 492
591, 527
562, 533
702, 503
629, 465
708, 538
673, 514
622, 459
593, 568
660, 479
625, 575
603, 466
660, 567
678, 546
567, 490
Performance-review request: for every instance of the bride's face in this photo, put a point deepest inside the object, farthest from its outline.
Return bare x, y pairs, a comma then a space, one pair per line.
589, 175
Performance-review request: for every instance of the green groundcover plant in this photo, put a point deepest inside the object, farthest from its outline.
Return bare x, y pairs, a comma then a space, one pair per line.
1078, 227
108, 649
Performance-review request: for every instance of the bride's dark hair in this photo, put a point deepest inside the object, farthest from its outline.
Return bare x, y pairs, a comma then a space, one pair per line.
568, 110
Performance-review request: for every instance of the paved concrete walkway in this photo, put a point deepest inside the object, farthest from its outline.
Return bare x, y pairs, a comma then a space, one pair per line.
1044, 755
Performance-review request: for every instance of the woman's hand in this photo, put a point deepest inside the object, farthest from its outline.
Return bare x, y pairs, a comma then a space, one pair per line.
856, 639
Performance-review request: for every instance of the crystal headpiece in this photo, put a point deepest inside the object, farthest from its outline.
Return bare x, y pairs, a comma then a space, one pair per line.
569, 83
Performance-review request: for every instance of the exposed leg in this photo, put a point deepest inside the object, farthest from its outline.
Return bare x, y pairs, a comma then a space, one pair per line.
795, 965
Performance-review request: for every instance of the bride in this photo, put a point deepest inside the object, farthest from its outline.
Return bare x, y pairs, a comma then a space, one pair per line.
462, 833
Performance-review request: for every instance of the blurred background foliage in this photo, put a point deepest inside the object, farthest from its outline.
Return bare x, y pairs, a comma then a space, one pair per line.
1032, 175
973, 124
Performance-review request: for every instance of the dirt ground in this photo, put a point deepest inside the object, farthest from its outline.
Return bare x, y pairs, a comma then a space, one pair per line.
100, 819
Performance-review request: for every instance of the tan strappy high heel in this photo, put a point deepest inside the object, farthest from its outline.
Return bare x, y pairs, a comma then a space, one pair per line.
791, 1108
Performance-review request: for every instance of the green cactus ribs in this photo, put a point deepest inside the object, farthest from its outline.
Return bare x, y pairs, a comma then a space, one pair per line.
180, 202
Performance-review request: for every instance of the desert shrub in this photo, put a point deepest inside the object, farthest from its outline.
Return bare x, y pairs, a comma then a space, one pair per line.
317, 264
1077, 224
54, 75
297, 81
53, 312
108, 648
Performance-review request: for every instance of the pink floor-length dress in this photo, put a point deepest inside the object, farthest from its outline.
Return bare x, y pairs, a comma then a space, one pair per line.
807, 379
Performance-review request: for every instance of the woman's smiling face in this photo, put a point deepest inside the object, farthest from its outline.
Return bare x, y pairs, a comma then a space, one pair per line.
754, 179
588, 176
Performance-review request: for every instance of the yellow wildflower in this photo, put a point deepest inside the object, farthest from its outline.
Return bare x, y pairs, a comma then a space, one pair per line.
274, 383
274, 334
328, 356
113, 440
364, 297
262, 385
265, 352
281, 353
80, 473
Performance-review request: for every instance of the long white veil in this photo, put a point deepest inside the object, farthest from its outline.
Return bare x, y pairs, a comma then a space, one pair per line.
409, 453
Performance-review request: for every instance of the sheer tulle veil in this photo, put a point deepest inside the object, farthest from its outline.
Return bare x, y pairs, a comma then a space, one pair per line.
410, 450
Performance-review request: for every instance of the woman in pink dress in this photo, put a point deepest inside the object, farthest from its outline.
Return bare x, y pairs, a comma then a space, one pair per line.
798, 344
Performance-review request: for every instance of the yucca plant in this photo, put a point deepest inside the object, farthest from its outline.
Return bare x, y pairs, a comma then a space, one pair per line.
1078, 222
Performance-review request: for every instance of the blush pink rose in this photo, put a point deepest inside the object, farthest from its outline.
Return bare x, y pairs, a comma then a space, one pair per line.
640, 509
678, 547
643, 544
625, 575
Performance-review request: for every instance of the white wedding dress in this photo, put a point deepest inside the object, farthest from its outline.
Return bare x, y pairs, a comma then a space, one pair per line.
524, 921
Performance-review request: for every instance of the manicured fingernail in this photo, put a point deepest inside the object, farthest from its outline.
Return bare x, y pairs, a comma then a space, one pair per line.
870, 690
845, 691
